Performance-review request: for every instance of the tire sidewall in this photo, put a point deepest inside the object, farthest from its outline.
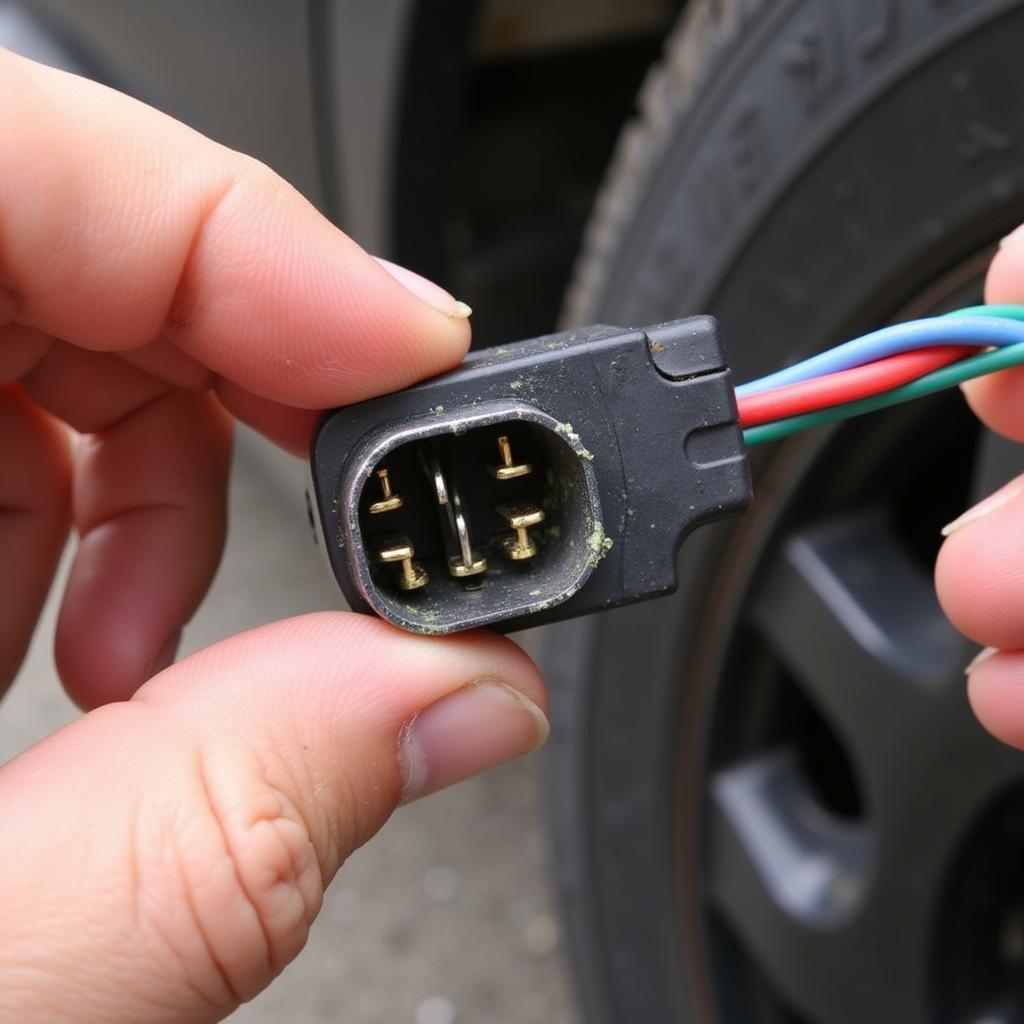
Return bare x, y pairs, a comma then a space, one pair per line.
799, 214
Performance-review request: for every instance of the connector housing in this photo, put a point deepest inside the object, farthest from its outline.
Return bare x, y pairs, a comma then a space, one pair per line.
610, 445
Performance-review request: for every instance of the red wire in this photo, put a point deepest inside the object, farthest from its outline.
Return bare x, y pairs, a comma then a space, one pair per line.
847, 385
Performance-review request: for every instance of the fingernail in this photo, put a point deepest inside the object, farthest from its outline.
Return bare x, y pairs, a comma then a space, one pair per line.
1005, 494
465, 733
432, 294
1015, 237
983, 655
167, 654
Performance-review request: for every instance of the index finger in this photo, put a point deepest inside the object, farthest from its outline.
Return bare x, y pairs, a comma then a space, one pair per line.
120, 227
998, 400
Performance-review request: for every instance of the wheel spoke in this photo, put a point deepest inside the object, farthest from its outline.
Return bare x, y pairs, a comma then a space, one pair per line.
789, 879
812, 865
855, 621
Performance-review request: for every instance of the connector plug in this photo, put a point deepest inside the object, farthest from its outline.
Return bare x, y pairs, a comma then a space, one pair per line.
537, 481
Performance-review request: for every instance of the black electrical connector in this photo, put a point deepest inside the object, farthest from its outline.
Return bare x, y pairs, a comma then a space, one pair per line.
540, 480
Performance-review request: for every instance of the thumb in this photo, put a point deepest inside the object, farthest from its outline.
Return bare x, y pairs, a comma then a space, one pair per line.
164, 857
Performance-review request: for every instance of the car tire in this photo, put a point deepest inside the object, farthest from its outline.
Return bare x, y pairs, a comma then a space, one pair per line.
803, 171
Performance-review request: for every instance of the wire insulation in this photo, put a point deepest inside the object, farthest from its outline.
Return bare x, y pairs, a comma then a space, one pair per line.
981, 331
1003, 358
1004, 311
845, 385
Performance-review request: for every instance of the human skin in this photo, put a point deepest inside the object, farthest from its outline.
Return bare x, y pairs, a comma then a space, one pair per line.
163, 857
980, 570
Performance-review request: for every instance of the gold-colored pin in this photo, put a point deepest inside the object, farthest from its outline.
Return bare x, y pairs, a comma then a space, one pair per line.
507, 468
460, 569
520, 545
388, 500
399, 549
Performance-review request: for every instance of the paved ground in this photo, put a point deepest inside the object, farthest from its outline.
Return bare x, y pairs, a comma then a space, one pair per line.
445, 918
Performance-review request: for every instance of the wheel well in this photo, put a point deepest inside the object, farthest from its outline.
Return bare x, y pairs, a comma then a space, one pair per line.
507, 116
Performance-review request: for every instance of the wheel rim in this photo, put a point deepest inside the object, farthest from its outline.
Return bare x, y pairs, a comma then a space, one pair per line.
846, 801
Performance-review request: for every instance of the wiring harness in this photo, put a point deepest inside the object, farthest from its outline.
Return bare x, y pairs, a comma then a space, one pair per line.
883, 368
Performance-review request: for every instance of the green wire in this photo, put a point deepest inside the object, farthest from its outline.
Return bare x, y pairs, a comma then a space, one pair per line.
947, 377
1006, 312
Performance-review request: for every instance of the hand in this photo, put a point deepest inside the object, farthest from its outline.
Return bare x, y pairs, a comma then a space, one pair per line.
980, 571
162, 858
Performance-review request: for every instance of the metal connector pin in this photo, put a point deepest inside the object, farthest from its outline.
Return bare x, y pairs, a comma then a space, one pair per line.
399, 549
520, 545
460, 568
507, 468
465, 563
388, 500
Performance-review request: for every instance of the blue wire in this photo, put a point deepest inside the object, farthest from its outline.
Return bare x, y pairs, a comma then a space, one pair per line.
940, 330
